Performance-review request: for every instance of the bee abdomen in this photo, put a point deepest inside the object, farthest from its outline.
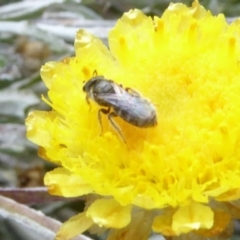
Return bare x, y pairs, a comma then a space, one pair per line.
137, 121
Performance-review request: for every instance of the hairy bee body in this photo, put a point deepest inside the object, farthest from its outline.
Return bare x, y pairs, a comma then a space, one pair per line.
125, 103
133, 109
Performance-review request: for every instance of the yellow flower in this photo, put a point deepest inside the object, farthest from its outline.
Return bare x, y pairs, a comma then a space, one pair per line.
181, 177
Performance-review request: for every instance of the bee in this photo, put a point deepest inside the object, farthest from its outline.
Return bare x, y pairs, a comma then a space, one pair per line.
125, 103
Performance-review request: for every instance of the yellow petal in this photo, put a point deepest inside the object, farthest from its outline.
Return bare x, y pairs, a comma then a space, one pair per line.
74, 226
123, 46
139, 228
163, 223
85, 39
94, 51
192, 217
109, 213
49, 71
39, 125
61, 182
196, 11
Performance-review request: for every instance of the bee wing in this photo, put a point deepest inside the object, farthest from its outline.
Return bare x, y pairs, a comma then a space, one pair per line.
118, 90
135, 106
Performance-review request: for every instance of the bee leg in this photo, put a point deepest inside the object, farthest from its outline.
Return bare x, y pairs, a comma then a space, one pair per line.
110, 116
130, 90
88, 102
104, 111
94, 73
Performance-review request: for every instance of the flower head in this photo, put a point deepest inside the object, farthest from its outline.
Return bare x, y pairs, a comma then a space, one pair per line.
179, 177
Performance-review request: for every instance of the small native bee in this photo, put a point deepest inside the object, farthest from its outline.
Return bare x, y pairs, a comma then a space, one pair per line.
126, 103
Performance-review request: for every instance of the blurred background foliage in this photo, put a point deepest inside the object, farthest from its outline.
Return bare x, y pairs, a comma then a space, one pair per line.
31, 33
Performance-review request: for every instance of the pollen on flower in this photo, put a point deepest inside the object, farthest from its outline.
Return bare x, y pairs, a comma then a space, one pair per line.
122, 42
232, 46
192, 32
186, 63
86, 71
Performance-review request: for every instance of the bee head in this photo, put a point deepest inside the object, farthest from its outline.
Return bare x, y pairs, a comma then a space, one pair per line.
91, 83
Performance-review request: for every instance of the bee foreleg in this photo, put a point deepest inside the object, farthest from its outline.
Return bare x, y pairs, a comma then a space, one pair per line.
110, 116
104, 111
88, 102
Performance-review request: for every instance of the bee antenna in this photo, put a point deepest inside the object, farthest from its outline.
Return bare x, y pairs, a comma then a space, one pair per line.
95, 73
